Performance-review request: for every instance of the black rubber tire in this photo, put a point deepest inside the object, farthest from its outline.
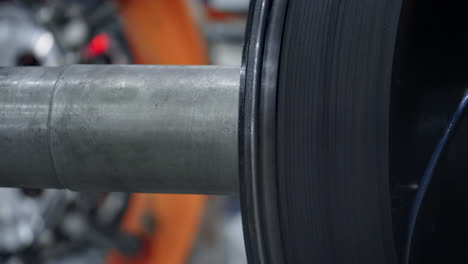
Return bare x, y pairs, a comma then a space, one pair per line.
315, 168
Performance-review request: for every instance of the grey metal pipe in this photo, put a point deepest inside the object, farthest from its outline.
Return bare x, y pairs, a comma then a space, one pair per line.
120, 128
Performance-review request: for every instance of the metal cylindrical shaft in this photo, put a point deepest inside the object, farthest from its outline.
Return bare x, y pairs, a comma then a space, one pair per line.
120, 128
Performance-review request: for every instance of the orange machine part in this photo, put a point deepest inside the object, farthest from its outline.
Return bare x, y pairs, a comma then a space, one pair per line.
162, 32
177, 218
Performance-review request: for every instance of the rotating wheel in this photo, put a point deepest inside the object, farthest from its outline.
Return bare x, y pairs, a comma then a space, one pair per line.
342, 103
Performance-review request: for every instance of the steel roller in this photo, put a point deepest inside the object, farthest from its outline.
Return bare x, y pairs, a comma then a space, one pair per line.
120, 128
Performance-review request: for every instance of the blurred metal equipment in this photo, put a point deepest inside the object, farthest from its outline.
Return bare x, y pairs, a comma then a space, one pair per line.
120, 128
23, 41
25, 217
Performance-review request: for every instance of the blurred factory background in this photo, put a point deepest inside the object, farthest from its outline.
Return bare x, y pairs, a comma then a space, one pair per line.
59, 226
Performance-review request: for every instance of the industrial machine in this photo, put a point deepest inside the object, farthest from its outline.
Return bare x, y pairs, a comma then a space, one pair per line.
325, 131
